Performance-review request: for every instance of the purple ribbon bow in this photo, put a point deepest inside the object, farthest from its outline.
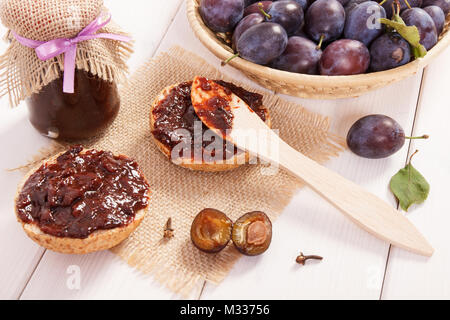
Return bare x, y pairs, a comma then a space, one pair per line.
53, 48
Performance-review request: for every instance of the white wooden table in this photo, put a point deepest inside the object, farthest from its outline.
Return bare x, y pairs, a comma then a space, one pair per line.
356, 264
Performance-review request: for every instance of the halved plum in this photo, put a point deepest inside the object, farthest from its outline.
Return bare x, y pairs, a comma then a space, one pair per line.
211, 230
252, 233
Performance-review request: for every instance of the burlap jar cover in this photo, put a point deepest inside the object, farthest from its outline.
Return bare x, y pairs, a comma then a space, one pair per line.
180, 193
22, 73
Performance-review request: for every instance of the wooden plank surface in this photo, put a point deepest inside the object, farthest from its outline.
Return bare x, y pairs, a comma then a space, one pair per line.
19, 255
19, 142
409, 276
355, 262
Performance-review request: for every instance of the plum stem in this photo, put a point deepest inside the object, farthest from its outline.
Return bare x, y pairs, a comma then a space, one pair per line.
407, 4
224, 63
410, 161
261, 8
412, 156
425, 136
319, 45
395, 5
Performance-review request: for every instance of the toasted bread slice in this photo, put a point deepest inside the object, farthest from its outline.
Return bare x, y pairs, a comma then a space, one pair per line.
97, 241
238, 159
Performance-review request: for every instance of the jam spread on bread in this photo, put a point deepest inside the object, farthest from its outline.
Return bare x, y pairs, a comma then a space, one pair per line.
215, 111
175, 112
80, 193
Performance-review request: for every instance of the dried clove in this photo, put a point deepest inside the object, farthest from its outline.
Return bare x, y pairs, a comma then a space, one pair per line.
168, 231
301, 259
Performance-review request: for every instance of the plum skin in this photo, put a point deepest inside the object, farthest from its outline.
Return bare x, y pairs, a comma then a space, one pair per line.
301, 56
403, 6
375, 137
325, 18
389, 51
438, 17
424, 23
288, 14
262, 43
344, 57
356, 27
244, 25
255, 8
221, 15
443, 4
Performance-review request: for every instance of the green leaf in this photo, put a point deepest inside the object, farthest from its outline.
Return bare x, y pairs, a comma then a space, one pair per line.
409, 33
409, 187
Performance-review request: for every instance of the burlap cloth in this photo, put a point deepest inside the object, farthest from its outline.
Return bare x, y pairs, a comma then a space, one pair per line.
21, 71
180, 193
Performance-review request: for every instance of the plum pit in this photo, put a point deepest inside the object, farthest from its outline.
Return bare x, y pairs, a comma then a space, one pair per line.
252, 233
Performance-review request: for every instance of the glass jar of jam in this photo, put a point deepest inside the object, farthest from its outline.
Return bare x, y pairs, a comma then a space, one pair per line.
83, 114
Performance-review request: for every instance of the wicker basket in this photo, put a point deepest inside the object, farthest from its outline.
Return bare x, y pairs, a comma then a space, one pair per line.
310, 86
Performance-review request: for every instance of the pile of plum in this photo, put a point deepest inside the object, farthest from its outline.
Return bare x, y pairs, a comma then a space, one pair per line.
327, 37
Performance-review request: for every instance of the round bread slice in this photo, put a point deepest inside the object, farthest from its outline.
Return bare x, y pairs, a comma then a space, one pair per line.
99, 240
238, 159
